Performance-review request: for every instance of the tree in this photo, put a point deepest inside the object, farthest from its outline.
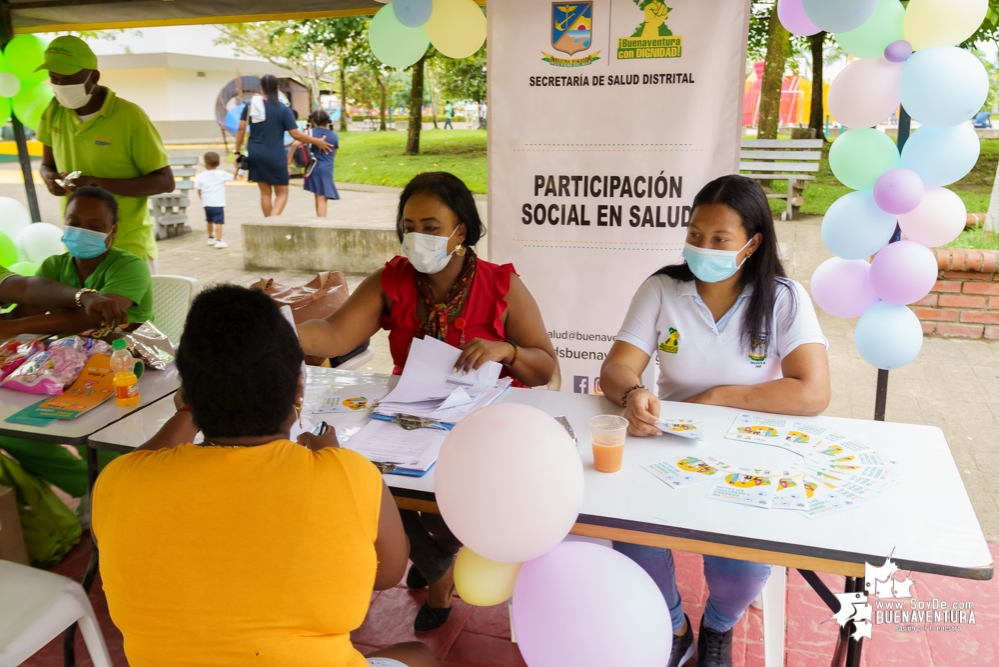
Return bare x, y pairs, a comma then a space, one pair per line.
464, 79
415, 109
279, 43
817, 116
778, 48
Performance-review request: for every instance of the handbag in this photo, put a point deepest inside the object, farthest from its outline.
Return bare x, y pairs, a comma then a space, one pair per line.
312, 301
50, 528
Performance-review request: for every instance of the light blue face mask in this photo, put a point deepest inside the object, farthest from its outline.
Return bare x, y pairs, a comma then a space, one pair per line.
713, 266
84, 243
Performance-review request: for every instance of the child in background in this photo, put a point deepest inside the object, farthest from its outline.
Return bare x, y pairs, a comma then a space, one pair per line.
320, 180
210, 185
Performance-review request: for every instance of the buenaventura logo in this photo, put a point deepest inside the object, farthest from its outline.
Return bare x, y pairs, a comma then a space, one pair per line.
672, 344
758, 355
572, 32
652, 38
102, 141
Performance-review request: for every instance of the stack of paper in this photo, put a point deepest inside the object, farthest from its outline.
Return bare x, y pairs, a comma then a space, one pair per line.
411, 452
431, 388
836, 472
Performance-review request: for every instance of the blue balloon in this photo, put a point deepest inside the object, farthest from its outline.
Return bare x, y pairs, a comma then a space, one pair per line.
942, 155
943, 86
840, 16
888, 336
232, 118
413, 13
855, 227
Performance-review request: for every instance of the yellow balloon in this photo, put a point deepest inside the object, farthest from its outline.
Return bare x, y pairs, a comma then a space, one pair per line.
931, 23
482, 582
457, 28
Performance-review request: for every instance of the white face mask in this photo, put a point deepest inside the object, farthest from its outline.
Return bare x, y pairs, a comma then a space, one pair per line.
426, 252
73, 96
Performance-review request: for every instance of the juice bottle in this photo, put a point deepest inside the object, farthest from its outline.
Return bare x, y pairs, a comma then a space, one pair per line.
126, 385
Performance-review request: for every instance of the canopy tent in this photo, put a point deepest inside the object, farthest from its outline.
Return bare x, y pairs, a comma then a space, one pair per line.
62, 15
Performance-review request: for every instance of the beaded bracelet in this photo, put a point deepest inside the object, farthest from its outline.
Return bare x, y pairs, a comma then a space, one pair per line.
624, 397
516, 352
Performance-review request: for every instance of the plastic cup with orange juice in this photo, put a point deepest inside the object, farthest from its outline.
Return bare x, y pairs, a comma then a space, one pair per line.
607, 433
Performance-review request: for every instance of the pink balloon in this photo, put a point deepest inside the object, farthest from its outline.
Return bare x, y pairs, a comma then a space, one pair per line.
904, 272
585, 605
866, 92
938, 220
898, 191
842, 287
792, 16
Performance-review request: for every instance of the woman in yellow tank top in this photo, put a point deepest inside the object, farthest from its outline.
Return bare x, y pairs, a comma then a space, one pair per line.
248, 548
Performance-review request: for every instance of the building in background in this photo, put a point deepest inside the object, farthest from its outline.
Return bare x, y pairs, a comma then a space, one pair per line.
175, 74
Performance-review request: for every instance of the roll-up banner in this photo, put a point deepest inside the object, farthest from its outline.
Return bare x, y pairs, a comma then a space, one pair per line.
605, 119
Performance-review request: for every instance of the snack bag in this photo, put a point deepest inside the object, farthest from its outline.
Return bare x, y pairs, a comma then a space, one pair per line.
89, 346
48, 372
14, 352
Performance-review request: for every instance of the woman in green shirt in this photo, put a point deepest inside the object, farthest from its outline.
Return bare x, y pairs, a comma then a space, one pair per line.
90, 227
91, 263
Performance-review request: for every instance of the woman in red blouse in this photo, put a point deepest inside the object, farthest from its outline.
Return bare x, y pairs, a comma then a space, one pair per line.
440, 289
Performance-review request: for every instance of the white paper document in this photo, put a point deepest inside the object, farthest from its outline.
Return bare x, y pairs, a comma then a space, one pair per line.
387, 442
431, 388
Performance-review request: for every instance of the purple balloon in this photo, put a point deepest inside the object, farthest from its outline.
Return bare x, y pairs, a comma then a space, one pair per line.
898, 52
904, 272
842, 287
564, 615
898, 191
792, 16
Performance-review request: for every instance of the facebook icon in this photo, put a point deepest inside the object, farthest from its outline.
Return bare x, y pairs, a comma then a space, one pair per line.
581, 384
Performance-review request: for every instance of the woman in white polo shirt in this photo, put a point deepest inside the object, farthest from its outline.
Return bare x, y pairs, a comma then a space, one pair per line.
730, 329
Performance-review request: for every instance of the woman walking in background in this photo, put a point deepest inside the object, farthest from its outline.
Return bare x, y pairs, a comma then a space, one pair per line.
268, 120
319, 176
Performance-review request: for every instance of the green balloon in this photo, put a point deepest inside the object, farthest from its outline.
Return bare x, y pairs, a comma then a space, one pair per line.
24, 268
8, 251
4, 110
393, 43
871, 39
30, 103
24, 54
859, 157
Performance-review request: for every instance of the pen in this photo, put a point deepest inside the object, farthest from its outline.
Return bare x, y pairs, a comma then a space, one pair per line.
321, 429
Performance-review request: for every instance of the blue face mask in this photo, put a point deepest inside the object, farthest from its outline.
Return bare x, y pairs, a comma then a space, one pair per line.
713, 266
84, 243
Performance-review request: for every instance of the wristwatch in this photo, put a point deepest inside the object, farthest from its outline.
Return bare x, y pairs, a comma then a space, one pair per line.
79, 296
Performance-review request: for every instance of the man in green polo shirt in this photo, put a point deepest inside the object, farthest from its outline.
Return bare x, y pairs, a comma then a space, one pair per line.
87, 128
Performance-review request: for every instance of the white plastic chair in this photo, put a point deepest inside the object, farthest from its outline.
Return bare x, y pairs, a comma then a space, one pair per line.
172, 296
37, 607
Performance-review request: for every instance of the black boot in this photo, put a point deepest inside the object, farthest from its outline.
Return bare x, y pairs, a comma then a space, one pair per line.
714, 649
415, 578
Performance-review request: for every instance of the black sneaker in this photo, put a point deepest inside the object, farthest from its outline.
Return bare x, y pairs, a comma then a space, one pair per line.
683, 646
714, 649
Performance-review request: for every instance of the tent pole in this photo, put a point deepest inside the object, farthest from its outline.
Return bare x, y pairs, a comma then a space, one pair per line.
7, 34
881, 395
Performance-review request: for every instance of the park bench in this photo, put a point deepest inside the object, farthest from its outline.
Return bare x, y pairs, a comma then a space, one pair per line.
169, 211
793, 160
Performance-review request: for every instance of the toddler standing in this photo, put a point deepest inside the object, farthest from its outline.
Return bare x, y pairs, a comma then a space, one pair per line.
210, 185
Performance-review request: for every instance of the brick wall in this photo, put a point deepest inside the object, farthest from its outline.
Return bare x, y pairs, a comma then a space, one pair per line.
965, 300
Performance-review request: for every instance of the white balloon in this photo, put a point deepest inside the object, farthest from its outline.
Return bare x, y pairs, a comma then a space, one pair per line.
9, 84
37, 242
931, 23
865, 93
942, 155
504, 447
13, 217
938, 220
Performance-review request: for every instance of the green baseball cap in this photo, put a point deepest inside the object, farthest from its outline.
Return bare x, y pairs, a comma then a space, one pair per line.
68, 55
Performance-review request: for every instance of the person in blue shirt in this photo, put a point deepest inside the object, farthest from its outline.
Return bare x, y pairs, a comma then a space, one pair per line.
319, 179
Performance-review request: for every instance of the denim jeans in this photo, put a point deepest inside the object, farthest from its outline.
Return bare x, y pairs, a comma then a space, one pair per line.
732, 584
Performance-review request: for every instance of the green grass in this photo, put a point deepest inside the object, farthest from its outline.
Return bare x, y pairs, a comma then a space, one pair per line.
377, 158
976, 238
975, 189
